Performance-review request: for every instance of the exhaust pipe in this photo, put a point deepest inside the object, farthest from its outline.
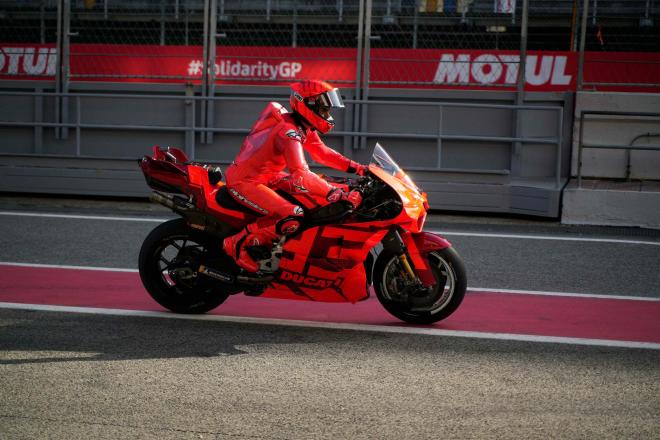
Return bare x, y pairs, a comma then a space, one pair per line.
176, 204
162, 199
195, 217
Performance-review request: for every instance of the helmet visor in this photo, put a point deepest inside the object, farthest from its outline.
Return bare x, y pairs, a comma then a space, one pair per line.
331, 99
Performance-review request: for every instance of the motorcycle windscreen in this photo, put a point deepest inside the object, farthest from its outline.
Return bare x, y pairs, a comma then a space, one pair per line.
383, 160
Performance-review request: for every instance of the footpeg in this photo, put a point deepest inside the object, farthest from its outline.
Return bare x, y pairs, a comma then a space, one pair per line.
255, 279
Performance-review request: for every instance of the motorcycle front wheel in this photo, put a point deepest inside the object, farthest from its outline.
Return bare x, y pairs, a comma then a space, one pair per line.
416, 305
168, 263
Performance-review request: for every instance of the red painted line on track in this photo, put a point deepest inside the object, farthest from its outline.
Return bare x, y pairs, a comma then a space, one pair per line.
493, 312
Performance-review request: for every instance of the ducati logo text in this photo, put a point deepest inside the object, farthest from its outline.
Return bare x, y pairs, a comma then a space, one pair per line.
308, 281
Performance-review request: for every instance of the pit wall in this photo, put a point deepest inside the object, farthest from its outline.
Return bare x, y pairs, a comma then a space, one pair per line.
606, 129
605, 196
462, 153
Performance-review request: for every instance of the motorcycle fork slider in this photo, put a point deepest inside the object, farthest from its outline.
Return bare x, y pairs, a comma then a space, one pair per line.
394, 243
406, 265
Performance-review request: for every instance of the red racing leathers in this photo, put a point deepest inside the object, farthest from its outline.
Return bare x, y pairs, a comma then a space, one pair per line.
278, 141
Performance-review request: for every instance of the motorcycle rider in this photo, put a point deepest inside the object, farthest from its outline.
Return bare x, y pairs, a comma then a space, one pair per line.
276, 141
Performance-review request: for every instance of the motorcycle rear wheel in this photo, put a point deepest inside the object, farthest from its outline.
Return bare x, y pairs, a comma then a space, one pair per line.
171, 249
426, 306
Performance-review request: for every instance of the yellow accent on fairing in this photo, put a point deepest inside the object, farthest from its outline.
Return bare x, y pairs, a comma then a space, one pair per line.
413, 200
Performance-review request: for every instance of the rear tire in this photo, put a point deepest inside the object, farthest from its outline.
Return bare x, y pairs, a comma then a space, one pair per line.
426, 307
169, 250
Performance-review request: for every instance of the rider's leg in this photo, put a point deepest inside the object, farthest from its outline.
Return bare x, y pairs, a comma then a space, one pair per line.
235, 245
281, 218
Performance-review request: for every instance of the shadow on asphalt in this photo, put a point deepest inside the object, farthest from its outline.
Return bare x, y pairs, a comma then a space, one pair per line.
106, 338
117, 338
82, 337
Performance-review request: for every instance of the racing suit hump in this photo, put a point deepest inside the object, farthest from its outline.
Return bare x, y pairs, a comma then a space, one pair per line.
268, 118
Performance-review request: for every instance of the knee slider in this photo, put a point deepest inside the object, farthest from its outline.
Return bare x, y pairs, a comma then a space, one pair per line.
288, 225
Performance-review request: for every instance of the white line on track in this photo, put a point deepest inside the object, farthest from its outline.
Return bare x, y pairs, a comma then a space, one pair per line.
470, 289
62, 266
341, 326
446, 233
546, 237
567, 294
83, 217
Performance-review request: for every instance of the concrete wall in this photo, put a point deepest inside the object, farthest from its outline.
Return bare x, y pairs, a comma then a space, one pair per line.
609, 203
600, 129
604, 198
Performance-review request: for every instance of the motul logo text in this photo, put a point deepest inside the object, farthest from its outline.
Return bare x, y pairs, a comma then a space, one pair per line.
28, 61
501, 68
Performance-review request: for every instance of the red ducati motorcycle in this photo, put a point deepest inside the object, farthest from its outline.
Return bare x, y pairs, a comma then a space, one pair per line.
335, 257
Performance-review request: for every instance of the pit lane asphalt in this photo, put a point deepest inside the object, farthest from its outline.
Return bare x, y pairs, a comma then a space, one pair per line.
64, 375
81, 376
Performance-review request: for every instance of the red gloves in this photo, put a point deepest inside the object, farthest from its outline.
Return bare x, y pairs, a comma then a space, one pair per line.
361, 170
357, 168
337, 194
354, 197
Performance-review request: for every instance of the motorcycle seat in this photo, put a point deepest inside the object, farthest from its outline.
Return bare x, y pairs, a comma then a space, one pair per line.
226, 200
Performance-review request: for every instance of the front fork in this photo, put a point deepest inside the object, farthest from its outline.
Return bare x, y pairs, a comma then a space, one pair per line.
412, 250
407, 268
398, 245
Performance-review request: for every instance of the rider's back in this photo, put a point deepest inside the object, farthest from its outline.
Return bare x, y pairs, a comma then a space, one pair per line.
259, 159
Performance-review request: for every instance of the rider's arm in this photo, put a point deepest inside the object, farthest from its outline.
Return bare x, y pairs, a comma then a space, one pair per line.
293, 153
325, 155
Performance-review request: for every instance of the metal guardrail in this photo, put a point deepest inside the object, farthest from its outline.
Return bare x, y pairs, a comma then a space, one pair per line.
628, 148
78, 125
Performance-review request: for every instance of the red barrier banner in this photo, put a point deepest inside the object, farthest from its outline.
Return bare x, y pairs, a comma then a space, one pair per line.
402, 68
31, 61
234, 65
622, 68
472, 69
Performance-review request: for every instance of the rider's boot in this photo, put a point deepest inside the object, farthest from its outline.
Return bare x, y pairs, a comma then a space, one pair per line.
251, 235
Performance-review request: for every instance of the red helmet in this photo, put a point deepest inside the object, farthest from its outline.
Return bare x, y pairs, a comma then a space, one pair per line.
313, 100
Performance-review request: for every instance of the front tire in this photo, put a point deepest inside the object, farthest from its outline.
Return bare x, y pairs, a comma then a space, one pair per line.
421, 306
168, 263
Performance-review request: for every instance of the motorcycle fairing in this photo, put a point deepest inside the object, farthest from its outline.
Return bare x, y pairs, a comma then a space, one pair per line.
166, 170
414, 204
325, 263
169, 154
419, 245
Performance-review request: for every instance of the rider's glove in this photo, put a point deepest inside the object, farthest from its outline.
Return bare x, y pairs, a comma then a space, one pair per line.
357, 168
354, 197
